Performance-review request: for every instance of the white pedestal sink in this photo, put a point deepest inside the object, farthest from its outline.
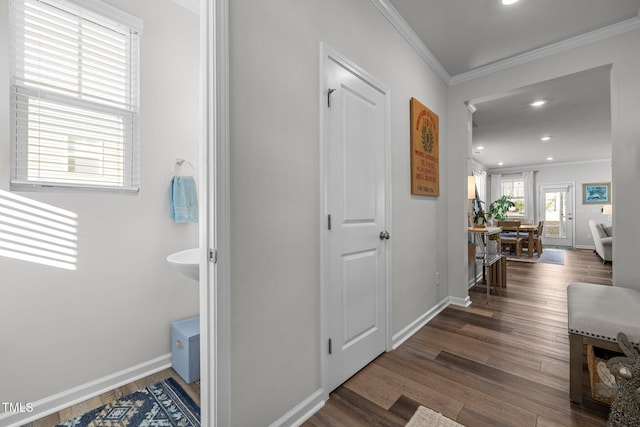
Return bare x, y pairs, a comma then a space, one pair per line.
187, 262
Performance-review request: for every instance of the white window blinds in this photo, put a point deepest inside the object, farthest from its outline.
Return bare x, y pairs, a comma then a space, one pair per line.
74, 96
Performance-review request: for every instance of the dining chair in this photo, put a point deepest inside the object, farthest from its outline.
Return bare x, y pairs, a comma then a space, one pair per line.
537, 239
510, 235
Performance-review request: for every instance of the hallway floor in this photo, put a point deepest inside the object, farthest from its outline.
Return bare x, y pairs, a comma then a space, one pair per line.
505, 363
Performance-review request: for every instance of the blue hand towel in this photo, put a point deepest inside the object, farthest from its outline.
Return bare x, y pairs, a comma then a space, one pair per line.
183, 199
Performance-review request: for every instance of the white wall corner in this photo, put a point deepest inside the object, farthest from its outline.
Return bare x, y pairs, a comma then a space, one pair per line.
67, 398
415, 326
302, 411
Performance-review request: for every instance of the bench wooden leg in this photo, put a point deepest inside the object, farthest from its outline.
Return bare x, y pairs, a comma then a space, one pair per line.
576, 352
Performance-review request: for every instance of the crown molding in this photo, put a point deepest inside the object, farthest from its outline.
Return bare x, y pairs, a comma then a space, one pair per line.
192, 5
405, 30
535, 167
564, 45
399, 23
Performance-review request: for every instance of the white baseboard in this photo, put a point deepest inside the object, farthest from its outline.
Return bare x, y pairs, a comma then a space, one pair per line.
67, 398
413, 327
585, 247
312, 404
302, 411
463, 302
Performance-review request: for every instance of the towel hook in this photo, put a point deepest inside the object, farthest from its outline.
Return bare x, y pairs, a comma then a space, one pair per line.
180, 161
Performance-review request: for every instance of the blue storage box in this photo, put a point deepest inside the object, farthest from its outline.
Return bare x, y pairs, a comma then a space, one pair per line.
185, 348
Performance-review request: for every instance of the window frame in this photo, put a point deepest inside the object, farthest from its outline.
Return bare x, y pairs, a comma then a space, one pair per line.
512, 180
91, 12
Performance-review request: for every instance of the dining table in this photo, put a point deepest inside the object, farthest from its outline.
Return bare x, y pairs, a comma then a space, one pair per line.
530, 229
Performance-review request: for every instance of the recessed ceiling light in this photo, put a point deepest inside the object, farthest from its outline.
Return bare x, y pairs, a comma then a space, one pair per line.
508, 2
500, 163
545, 138
549, 158
480, 147
538, 103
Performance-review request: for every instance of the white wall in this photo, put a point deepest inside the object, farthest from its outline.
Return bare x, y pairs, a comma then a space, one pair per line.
621, 52
579, 174
275, 190
61, 329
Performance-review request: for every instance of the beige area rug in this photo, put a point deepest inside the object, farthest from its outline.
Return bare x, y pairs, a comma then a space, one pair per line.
425, 417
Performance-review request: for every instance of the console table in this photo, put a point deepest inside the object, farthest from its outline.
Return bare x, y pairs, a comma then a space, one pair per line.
493, 263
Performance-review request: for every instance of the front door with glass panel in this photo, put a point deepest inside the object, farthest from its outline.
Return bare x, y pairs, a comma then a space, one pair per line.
556, 209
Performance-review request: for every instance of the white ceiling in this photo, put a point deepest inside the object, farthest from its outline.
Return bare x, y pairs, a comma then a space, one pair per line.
577, 117
468, 34
465, 38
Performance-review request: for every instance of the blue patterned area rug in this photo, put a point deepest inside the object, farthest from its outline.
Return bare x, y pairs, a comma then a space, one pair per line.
549, 256
158, 405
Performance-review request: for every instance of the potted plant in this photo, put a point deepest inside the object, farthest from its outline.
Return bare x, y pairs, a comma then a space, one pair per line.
498, 208
479, 218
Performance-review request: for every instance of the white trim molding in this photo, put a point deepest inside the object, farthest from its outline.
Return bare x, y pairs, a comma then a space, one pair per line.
403, 27
215, 277
415, 326
111, 12
302, 411
67, 398
520, 169
462, 302
405, 30
561, 46
191, 5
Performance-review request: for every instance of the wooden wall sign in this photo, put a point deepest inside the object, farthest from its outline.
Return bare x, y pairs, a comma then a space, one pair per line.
425, 169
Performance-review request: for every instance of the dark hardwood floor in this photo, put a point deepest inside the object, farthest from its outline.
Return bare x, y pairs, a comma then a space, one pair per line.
505, 363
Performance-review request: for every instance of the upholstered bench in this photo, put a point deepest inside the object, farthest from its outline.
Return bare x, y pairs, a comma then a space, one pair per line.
596, 314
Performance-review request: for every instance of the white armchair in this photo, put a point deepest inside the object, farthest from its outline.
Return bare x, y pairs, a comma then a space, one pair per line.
603, 239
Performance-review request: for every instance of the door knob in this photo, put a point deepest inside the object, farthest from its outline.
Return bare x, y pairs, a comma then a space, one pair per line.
384, 235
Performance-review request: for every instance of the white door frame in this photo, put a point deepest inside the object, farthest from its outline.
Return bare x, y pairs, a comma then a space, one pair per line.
572, 198
215, 356
327, 53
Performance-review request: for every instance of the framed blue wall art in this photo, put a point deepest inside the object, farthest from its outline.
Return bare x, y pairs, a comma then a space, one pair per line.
596, 193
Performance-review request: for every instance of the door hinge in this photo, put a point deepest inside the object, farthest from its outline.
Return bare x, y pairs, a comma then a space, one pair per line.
213, 256
330, 350
329, 222
329, 92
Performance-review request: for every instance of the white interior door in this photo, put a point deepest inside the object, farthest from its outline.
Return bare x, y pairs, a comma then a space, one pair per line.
556, 209
356, 256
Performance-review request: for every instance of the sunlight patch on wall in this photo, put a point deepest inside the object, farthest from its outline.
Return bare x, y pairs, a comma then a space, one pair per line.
36, 232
